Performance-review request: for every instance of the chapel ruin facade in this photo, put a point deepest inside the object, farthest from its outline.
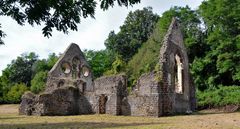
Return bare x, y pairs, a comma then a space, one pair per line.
71, 90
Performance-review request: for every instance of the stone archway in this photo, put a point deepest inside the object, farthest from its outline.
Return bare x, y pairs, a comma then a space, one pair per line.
102, 104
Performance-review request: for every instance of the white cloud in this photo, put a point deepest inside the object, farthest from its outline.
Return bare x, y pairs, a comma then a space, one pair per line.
91, 32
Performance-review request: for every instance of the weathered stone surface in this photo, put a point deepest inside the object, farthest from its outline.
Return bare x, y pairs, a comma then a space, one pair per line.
68, 89
147, 85
114, 88
71, 90
145, 98
71, 70
144, 105
62, 101
175, 100
26, 106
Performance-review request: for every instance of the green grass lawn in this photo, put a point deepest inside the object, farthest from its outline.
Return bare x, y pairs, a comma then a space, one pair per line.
9, 119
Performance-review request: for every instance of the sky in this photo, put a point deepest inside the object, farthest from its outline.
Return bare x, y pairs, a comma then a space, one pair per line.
91, 32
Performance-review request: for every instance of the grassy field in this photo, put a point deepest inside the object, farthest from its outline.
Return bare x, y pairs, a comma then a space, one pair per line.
210, 119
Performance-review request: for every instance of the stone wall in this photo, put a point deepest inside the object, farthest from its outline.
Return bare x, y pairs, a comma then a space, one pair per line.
115, 89
147, 84
27, 103
173, 100
62, 101
145, 98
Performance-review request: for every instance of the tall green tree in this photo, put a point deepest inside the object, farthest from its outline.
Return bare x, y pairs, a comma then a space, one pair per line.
40, 70
59, 14
20, 70
26, 70
1, 92
221, 64
100, 61
38, 82
44, 64
137, 28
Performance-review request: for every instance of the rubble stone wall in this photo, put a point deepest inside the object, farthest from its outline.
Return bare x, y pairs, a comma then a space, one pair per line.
62, 101
174, 102
145, 99
115, 88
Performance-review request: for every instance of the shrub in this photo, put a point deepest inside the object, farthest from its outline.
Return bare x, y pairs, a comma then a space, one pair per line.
16, 92
118, 66
223, 96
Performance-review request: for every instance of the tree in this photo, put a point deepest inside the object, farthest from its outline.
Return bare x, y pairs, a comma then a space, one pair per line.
52, 59
100, 61
2, 35
136, 29
39, 72
220, 65
59, 14
38, 82
20, 70
1, 93
44, 64
26, 70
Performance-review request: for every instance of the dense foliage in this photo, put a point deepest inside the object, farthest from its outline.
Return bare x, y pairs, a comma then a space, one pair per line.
15, 93
136, 29
100, 61
219, 97
27, 72
38, 82
220, 63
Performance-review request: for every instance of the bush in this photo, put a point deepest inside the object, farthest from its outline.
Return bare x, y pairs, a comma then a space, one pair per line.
118, 66
38, 82
225, 95
16, 92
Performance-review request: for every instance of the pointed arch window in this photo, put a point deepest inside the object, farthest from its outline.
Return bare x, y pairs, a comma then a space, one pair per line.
178, 74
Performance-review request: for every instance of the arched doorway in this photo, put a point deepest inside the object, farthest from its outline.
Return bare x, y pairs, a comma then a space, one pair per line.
102, 104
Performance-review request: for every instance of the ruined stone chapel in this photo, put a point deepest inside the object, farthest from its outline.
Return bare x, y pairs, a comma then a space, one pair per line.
71, 89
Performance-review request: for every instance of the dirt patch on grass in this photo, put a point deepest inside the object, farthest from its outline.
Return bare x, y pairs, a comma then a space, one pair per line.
9, 109
231, 108
227, 109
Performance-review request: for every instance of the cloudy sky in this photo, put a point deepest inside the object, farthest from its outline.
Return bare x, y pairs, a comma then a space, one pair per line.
90, 35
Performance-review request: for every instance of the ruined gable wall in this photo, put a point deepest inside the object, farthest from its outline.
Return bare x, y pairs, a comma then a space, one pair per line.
173, 45
69, 88
71, 70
